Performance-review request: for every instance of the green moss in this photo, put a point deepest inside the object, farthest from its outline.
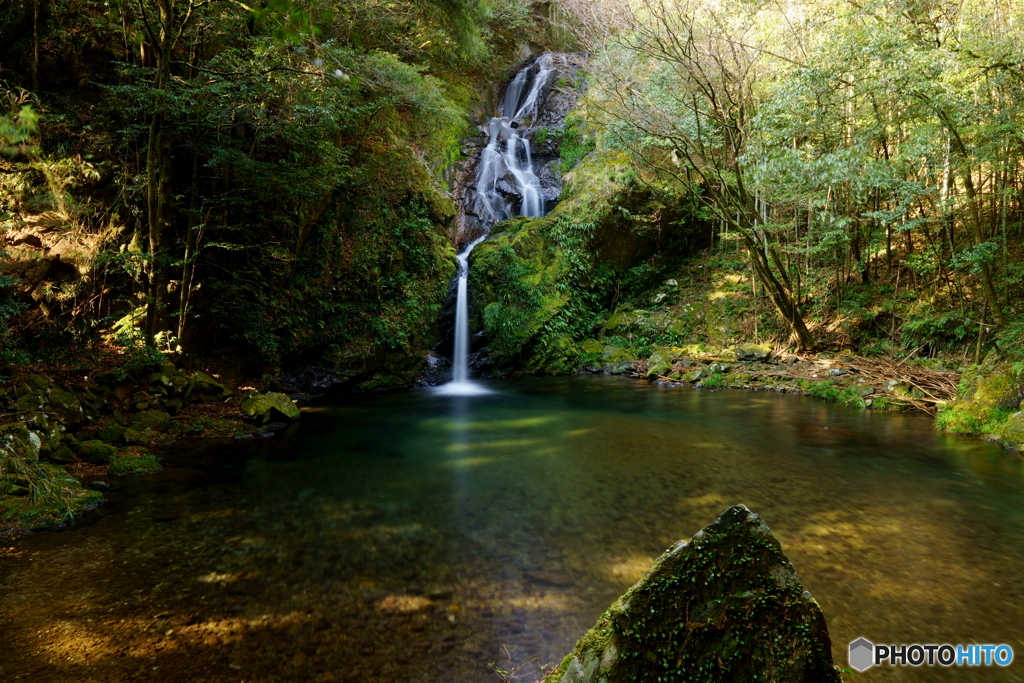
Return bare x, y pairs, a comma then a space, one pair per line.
714, 381
574, 143
128, 465
96, 451
989, 395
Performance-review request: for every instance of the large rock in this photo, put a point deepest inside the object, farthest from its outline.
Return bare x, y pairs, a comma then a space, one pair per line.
264, 408
752, 352
200, 385
992, 393
726, 606
41, 393
97, 452
157, 420
998, 390
660, 362
18, 440
616, 360
67, 407
1013, 431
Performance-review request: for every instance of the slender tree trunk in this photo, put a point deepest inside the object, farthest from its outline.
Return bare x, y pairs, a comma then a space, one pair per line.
780, 296
977, 229
35, 46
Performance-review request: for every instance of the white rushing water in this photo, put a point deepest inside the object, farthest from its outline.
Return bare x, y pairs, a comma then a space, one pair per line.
507, 159
460, 384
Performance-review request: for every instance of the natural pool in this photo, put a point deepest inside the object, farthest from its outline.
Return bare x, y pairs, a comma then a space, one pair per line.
412, 537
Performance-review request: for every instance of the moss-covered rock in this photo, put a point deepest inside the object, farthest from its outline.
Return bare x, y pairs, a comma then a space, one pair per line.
139, 437
62, 454
155, 420
111, 432
16, 440
660, 361
990, 394
752, 352
726, 606
616, 360
264, 408
67, 407
97, 452
694, 375
173, 406
200, 385
1012, 433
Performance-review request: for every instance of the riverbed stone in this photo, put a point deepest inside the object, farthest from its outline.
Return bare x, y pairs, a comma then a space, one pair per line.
263, 408
727, 606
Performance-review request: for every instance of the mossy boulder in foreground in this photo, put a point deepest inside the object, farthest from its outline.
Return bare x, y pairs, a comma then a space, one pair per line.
725, 606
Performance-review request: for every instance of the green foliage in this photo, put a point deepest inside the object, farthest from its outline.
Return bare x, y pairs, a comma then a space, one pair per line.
10, 354
139, 357
713, 381
574, 143
828, 390
37, 494
936, 328
309, 147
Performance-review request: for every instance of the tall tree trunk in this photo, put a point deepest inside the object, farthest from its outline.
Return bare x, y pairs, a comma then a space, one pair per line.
977, 229
780, 294
159, 189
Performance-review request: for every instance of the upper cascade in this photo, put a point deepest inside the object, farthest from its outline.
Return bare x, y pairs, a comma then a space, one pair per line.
506, 176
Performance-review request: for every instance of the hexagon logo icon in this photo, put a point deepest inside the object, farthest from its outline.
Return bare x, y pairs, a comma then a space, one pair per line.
862, 654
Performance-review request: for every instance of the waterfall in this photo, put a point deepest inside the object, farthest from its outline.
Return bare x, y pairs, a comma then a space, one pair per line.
504, 171
460, 384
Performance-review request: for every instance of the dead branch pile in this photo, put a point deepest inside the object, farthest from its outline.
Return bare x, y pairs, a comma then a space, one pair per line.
932, 387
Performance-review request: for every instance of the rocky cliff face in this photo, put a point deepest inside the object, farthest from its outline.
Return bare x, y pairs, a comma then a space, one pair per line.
725, 606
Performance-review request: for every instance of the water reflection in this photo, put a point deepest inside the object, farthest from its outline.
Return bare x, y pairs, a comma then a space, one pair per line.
413, 536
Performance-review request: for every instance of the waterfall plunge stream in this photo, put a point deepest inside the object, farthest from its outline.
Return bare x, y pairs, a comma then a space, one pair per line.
506, 158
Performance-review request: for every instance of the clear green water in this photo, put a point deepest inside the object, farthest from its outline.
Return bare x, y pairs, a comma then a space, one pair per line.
411, 537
